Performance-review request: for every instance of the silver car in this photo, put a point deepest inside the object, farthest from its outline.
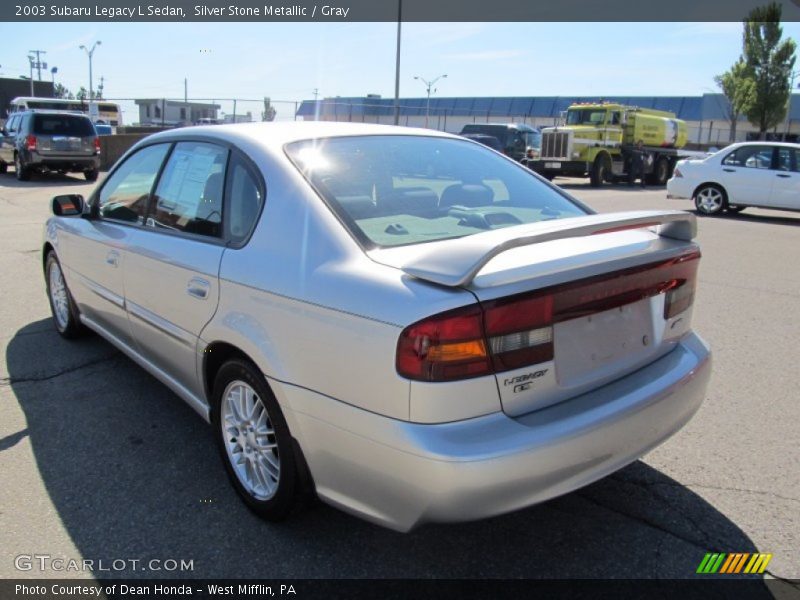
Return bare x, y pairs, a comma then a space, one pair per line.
404, 322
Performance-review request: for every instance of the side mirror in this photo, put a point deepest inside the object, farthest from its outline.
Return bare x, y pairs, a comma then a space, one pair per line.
68, 205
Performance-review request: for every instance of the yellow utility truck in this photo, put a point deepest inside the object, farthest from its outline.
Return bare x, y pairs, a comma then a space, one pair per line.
596, 140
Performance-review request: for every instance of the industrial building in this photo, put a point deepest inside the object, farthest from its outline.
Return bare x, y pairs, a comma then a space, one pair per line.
706, 115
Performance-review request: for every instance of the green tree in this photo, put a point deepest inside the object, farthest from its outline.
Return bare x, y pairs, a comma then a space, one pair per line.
769, 61
59, 91
739, 89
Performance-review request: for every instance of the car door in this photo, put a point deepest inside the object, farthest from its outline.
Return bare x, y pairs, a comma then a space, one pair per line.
786, 179
171, 275
95, 250
746, 174
7, 140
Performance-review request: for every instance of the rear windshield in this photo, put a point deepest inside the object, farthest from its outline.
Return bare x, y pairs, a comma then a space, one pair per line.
399, 190
62, 125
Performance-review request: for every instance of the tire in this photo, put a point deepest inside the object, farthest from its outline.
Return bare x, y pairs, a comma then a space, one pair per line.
660, 172
600, 169
710, 199
90, 174
3, 168
66, 316
249, 424
22, 172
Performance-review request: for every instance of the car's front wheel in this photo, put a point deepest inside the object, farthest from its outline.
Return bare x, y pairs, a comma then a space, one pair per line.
90, 174
65, 312
254, 440
710, 199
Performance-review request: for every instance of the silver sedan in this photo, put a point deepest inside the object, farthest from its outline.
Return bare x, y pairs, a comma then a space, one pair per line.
409, 325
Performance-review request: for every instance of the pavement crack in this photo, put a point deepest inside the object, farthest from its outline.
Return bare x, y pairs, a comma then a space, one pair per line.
713, 487
6, 381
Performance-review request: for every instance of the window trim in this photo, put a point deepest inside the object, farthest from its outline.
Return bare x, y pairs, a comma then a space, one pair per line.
255, 173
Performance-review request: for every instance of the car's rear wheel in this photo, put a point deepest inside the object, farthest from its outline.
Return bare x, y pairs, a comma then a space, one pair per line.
22, 172
660, 172
254, 440
710, 199
90, 174
65, 313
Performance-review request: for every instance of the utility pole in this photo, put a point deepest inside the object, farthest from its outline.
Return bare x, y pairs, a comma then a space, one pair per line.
316, 104
38, 65
100, 88
185, 91
789, 107
30, 60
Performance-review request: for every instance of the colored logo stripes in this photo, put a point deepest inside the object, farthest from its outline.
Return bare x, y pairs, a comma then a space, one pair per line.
737, 562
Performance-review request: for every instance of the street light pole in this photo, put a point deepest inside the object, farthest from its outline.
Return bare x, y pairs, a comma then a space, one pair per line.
89, 53
428, 86
30, 59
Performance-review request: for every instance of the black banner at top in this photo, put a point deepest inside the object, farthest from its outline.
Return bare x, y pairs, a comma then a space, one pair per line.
385, 10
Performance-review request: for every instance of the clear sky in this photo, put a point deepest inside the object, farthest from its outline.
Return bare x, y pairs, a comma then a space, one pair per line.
288, 61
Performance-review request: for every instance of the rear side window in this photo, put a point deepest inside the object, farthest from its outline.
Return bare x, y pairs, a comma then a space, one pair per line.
62, 125
190, 191
125, 193
246, 198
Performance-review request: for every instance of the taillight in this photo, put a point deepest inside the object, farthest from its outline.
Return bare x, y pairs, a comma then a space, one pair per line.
677, 172
97, 145
517, 331
444, 347
30, 142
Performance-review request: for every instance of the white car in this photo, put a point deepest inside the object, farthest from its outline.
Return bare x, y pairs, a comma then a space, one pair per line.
411, 325
763, 174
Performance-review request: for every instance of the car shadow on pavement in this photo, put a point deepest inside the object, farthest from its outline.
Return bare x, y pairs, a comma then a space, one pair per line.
792, 220
134, 473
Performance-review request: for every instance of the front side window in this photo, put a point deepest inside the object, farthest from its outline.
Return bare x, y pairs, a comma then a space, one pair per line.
400, 190
125, 193
787, 159
190, 191
752, 157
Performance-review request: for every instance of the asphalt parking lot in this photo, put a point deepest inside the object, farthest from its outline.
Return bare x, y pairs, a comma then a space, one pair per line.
100, 461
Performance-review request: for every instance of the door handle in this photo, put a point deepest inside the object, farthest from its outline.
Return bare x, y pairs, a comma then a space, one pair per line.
112, 258
198, 288
784, 175
729, 170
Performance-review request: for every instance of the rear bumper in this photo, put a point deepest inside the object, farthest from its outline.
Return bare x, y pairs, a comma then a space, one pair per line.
401, 474
678, 189
62, 161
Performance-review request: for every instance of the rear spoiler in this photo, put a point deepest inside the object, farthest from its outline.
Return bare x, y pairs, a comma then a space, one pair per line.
466, 256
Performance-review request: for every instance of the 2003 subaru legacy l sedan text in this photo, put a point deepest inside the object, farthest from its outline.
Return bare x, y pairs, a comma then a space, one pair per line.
414, 325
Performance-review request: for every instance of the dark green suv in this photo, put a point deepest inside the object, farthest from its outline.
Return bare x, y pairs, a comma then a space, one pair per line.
41, 141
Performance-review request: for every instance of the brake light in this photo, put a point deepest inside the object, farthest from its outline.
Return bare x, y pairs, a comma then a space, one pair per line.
97, 145
30, 142
677, 172
517, 331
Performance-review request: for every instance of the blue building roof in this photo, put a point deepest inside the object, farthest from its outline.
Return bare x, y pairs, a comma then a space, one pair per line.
708, 107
